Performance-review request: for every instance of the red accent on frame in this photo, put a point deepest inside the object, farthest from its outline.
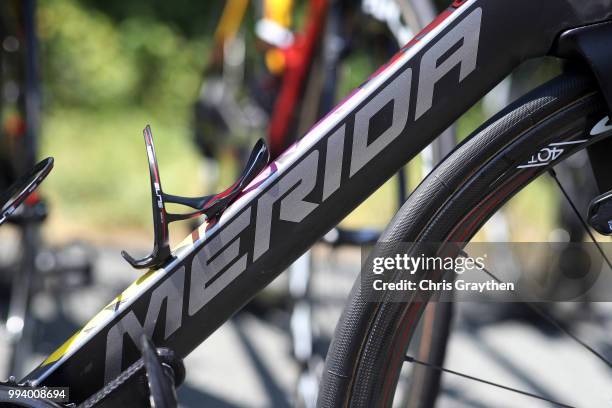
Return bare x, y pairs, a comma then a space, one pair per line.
458, 3
298, 59
32, 199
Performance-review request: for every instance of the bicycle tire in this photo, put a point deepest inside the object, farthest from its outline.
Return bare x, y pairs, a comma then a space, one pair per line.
425, 383
363, 364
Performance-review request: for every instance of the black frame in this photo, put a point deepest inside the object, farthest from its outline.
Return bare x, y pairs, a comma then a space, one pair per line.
316, 183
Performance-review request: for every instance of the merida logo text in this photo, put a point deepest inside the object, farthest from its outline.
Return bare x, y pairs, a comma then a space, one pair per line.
221, 259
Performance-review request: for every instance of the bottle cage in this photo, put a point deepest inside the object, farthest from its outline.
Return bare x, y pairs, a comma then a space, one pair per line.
211, 206
19, 191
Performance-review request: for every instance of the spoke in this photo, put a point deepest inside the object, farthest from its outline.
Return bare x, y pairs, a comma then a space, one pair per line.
483, 381
538, 311
580, 217
552, 321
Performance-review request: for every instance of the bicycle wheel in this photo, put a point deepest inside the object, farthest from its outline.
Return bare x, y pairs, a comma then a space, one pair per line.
450, 205
424, 383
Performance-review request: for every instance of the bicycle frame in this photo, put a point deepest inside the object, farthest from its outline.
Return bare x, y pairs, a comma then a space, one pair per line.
319, 180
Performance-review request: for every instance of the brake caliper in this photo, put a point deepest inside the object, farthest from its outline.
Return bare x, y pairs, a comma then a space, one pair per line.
600, 213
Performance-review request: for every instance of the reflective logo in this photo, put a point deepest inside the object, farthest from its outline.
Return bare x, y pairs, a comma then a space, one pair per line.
602, 126
549, 154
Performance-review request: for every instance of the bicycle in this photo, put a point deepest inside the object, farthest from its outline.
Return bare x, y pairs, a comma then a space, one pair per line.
360, 144
305, 88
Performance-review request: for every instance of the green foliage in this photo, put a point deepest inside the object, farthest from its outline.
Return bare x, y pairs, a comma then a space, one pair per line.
84, 60
104, 79
101, 174
91, 60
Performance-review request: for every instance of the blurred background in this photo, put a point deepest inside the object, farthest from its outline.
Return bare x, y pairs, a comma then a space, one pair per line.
81, 79
107, 69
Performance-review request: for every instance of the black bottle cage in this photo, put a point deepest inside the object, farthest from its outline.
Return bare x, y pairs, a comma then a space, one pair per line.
210, 206
21, 189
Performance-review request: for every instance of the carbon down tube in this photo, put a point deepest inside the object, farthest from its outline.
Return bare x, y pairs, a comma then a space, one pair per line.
315, 183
